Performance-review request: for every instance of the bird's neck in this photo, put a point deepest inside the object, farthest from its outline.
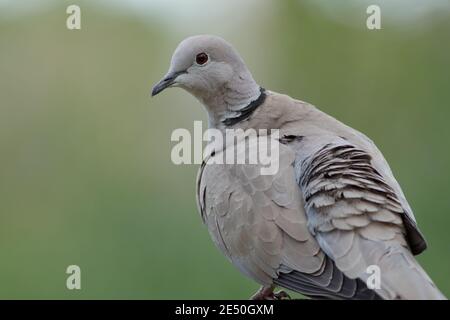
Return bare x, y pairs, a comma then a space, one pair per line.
234, 104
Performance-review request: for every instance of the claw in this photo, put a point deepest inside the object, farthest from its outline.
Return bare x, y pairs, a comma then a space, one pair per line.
267, 293
281, 295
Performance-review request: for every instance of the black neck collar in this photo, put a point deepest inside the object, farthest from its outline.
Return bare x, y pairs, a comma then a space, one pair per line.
246, 112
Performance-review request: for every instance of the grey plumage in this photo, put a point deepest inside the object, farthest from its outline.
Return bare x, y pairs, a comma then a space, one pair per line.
333, 208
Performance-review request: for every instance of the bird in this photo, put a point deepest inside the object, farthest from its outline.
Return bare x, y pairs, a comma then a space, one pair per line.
333, 209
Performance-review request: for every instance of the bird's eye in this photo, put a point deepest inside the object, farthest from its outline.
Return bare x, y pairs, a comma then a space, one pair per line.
201, 58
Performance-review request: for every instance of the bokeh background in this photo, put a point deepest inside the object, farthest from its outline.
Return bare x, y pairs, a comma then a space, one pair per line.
85, 170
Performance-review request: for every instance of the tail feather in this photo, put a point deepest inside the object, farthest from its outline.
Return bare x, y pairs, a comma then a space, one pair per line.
403, 278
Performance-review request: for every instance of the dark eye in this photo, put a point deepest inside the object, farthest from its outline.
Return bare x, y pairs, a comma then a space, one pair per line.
201, 58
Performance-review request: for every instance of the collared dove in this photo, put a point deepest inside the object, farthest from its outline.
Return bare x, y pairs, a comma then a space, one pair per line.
331, 212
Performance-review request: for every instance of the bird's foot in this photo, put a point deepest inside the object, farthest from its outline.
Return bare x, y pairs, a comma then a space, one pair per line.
267, 293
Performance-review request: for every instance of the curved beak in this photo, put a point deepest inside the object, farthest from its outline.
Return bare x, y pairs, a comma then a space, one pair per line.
166, 82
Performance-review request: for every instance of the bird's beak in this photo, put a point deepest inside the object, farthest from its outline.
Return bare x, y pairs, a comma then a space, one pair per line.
166, 82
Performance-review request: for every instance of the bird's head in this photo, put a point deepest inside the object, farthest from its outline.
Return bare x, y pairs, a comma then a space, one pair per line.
209, 68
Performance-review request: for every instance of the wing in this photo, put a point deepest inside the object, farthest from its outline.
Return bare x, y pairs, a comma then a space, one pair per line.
358, 218
259, 223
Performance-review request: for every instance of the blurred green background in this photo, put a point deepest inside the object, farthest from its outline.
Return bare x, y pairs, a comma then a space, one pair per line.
85, 170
